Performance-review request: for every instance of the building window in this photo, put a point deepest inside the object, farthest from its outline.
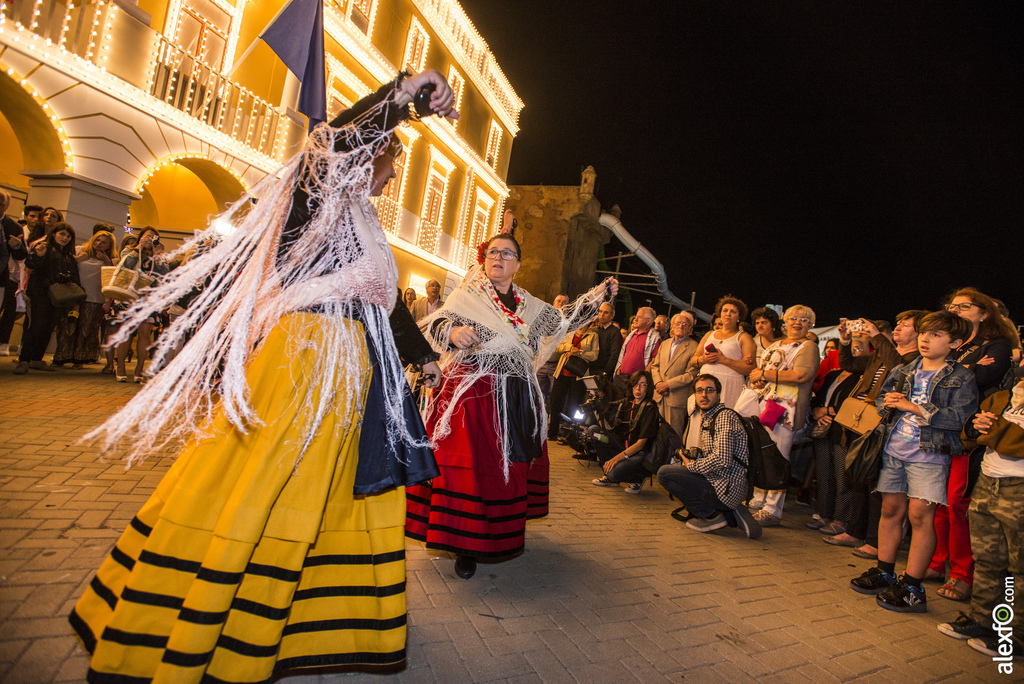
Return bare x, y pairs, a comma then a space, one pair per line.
393, 190
418, 283
482, 210
432, 213
416, 47
202, 31
457, 84
389, 203
434, 198
361, 13
493, 145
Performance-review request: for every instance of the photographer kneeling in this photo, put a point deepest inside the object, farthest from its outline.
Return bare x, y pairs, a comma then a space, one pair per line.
712, 479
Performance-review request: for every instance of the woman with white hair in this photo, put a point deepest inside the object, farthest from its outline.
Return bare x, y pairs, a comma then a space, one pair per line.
785, 376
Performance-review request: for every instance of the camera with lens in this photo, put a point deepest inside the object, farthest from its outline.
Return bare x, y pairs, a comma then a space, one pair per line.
587, 428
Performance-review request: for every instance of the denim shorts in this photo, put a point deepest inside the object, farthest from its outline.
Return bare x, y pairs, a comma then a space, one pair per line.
925, 481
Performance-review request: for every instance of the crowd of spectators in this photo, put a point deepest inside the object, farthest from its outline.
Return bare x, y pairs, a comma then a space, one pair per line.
943, 389
42, 250
951, 481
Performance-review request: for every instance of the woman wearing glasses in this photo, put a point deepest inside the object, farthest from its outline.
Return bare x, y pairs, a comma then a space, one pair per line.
786, 376
487, 419
986, 352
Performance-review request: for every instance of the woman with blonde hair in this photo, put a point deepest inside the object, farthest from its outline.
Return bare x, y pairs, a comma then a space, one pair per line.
142, 257
785, 378
78, 333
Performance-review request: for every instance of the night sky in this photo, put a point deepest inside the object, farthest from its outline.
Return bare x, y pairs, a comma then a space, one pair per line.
860, 158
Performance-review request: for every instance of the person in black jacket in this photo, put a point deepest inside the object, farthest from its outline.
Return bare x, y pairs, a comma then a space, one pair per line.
52, 260
12, 246
609, 341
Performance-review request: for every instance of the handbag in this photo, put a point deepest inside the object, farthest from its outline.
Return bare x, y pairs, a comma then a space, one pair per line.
576, 366
817, 430
124, 284
864, 457
662, 447
864, 460
748, 403
858, 415
65, 295
772, 413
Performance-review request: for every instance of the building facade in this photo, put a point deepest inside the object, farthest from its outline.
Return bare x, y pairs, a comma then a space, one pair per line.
157, 113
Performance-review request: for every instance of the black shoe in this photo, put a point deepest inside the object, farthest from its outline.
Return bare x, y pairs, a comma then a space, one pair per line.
989, 645
465, 566
873, 582
903, 598
965, 627
747, 523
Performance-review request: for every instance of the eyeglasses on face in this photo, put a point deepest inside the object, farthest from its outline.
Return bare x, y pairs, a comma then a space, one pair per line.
801, 319
505, 254
706, 390
965, 306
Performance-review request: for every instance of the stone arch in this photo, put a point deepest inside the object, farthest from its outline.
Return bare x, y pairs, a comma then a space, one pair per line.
25, 118
182, 193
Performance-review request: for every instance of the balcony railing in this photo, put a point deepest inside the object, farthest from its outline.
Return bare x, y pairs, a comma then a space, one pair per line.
389, 211
101, 34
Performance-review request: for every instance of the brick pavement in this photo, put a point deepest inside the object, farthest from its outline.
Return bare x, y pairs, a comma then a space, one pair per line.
610, 589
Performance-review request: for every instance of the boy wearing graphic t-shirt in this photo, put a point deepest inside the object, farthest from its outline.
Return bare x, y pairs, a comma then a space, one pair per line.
936, 398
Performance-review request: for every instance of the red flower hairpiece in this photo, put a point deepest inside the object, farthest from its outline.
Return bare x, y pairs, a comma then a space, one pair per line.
481, 253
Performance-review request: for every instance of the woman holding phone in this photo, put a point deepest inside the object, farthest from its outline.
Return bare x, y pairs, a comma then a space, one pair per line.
727, 353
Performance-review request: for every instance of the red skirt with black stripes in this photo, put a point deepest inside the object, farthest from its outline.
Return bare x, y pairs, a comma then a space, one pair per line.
470, 509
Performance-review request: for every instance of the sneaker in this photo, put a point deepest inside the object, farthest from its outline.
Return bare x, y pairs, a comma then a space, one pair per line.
965, 627
766, 519
872, 582
635, 487
746, 522
5, 350
903, 598
706, 524
604, 482
22, 368
989, 645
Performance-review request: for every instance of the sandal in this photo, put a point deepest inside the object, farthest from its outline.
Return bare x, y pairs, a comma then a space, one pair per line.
955, 590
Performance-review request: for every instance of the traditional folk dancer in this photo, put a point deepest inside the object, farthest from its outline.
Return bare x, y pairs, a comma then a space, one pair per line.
276, 539
488, 419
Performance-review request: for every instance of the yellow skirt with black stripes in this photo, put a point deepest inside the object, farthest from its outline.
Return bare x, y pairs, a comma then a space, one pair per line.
239, 567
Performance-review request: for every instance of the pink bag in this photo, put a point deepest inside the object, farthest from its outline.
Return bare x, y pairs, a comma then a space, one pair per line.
771, 414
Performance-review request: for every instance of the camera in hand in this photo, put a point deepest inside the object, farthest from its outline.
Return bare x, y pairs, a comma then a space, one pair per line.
584, 430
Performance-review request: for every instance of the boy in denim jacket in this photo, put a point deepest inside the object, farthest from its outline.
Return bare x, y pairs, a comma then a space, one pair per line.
937, 398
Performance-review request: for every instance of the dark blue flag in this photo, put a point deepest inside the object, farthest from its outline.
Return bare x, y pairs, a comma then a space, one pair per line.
297, 36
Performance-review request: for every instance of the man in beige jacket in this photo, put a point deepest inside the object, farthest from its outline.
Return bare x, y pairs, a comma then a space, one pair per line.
424, 306
672, 375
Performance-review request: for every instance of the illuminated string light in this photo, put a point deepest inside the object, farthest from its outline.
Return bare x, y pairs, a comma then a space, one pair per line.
56, 55
172, 159
107, 36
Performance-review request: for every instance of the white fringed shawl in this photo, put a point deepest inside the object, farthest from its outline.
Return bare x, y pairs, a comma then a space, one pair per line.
510, 347
340, 263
